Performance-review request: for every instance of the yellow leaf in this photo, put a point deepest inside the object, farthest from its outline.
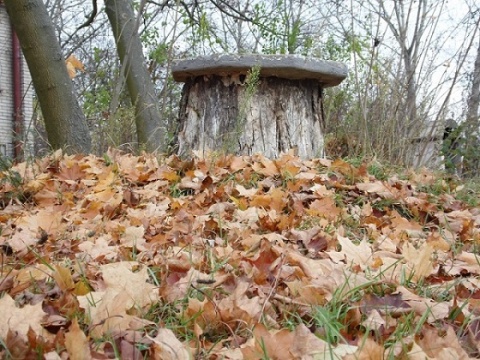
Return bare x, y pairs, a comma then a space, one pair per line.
63, 277
71, 70
73, 64
81, 289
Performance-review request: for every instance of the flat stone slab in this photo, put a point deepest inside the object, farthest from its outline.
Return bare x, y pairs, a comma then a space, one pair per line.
293, 67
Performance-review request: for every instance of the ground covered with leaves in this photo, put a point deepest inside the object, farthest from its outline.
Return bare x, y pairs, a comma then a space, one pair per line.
235, 258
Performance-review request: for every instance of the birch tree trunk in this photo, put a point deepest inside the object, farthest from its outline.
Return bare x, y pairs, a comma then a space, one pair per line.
64, 120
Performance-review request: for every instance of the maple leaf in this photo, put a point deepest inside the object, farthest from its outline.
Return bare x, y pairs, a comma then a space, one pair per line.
167, 347
134, 238
22, 319
238, 309
76, 343
441, 344
26, 234
125, 292
435, 310
229, 242
419, 260
367, 349
99, 248
274, 345
378, 188
352, 254
325, 207
73, 64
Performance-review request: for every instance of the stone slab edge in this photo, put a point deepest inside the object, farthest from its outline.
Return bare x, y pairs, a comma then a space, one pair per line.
329, 73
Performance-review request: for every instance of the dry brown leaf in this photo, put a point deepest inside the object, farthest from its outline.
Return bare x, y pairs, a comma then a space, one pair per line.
306, 345
167, 347
236, 241
352, 254
21, 319
368, 349
325, 207
419, 261
435, 310
239, 310
64, 279
441, 344
99, 248
125, 291
73, 64
134, 238
274, 344
77, 343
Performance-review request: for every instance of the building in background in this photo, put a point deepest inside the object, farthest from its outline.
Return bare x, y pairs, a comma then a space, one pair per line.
16, 95
428, 147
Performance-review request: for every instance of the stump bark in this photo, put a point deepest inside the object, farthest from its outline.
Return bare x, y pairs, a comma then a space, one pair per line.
253, 104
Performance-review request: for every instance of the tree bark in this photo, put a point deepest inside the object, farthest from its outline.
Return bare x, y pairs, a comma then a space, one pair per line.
64, 120
409, 53
140, 87
472, 123
218, 114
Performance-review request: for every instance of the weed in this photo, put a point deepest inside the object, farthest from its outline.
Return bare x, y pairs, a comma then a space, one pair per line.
176, 192
469, 193
437, 188
252, 81
329, 321
291, 319
309, 222
13, 182
264, 350
407, 325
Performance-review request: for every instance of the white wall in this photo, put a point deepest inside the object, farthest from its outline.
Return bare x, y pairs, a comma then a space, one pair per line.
6, 96
428, 146
6, 93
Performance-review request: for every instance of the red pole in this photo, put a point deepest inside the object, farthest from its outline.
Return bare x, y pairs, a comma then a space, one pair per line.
17, 98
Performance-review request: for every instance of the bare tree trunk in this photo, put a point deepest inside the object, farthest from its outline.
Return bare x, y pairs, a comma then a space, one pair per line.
474, 98
140, 87
409, 50
64, 120
279, 116
472, 123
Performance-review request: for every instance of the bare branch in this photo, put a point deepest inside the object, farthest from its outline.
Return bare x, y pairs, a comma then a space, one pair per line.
92, 16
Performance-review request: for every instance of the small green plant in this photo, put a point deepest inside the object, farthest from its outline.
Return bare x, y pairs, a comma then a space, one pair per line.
378, 170
330, 320
309, 222
407, 325
15, 181
437, 188
251, 83
291, 319
469, 193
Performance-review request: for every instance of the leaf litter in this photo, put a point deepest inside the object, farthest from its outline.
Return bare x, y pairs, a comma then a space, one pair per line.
234, 257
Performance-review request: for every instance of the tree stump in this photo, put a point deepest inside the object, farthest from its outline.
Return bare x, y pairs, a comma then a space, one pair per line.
245, 104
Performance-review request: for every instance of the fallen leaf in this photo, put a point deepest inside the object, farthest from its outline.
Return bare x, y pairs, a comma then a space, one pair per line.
167, 347
22, 319
77, 343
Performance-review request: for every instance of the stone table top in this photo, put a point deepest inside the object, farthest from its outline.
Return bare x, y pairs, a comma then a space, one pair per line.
329, 73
